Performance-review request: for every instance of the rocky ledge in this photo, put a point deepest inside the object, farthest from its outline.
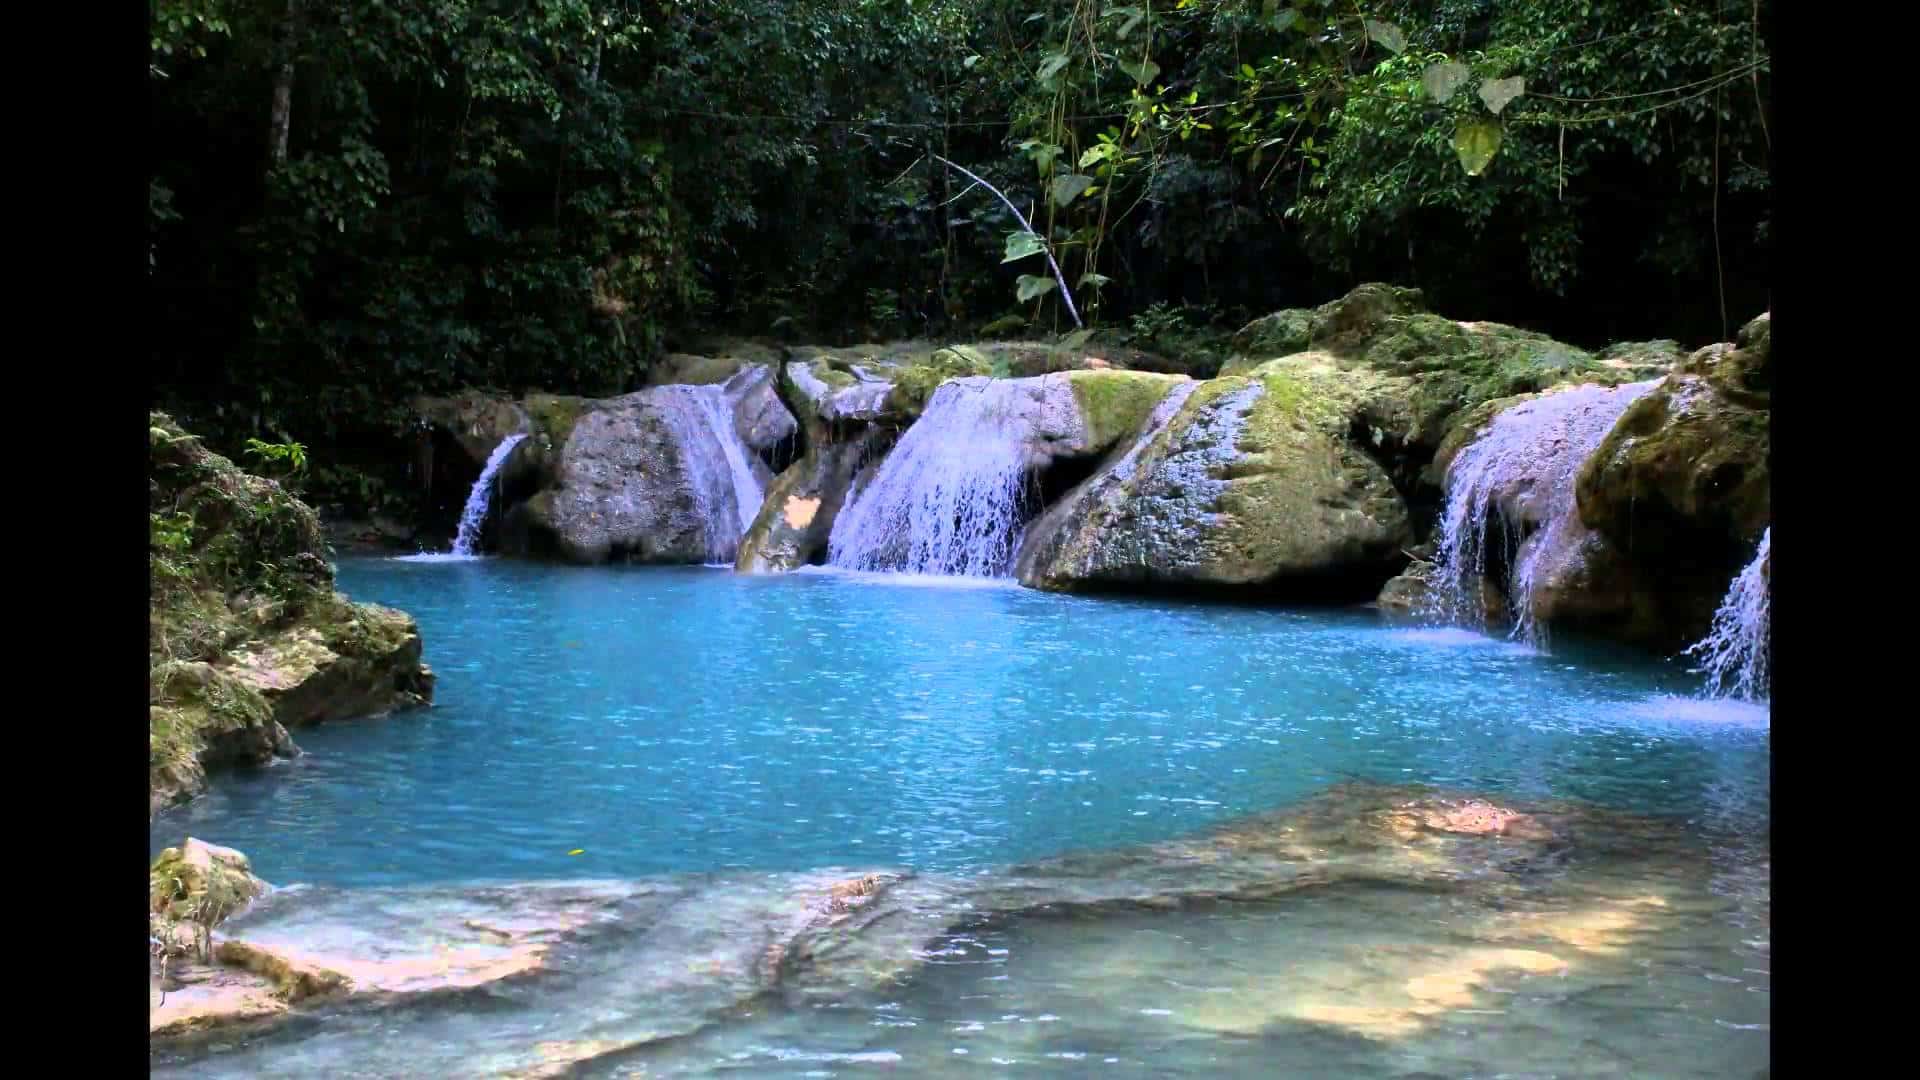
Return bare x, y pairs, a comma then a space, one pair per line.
247, 637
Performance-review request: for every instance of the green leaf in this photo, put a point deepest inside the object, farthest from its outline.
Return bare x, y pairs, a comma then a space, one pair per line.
970, 61
1096, 154
1498, 93
1052, 66
1076, 339
1444, 80
1142, 72
1284, 18
1387, 34
1093, 279
1247, 70
1022, 244
1476, 140
1068, 186
1031, 286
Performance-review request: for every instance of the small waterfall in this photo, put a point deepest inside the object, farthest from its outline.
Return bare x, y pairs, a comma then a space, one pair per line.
949, 498
467, 541
1524, 465
1735, 654
726, 494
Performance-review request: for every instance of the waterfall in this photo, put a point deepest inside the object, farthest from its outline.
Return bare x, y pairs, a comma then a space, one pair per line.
1735, 654
949, 498
1524, 465
466, 543
719, 469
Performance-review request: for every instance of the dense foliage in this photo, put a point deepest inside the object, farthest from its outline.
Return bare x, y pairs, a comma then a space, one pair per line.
359, 201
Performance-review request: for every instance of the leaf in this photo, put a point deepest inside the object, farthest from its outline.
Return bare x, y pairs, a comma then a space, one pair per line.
970, 61
1022, 244
1068, 186
1444, 80
1284, 18
1247, 70
1030, 286
1142, 72
578, 851
1053, 65
1127, 27
1093, 279
1096, 154
1075, 339
1476, 140
1387, 34
1498, 93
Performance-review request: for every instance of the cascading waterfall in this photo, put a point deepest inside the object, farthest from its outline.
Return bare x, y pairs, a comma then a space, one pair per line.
720, 476
1524, 464
1735, 654
948, 499
467, 541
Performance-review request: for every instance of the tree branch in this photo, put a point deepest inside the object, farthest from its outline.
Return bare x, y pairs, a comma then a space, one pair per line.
1045, 249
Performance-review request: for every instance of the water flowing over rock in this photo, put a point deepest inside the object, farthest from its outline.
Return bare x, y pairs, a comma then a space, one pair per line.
467, 541
951, 496
1253, 481
1682, 486
1735, 654
1511, 511
659, 475
955, 493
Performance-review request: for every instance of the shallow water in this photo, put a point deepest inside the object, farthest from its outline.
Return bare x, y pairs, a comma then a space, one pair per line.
689, 721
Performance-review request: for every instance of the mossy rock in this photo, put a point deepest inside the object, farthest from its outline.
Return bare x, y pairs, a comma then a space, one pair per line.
914, 383
476, 419
688, 369
1113, 404
1342, 325
237, 562
1688, 465
199, 885
1250, 483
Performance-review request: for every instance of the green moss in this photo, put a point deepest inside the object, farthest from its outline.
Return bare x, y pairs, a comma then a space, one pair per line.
233, 559
1113, 404
552, 416
914, 383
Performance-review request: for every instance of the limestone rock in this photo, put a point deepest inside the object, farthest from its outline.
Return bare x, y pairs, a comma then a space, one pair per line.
1687, 467
358, 660
797, 517
1252, 482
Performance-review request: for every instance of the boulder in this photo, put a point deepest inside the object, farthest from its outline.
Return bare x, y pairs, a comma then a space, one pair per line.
351, 660
1253, 481
1687, 466
623, 488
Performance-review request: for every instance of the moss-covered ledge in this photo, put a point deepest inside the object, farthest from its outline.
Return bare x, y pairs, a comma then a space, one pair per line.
246, 635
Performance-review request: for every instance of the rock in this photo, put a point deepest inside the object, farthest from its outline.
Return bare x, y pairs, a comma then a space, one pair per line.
1337, 326
797, 516
1685, 472
246, 635
625, 488
201, 882
1252, 482
358, 660
477, 420
761, 419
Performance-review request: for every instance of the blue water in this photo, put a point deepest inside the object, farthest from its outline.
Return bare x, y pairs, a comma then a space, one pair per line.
663, 720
